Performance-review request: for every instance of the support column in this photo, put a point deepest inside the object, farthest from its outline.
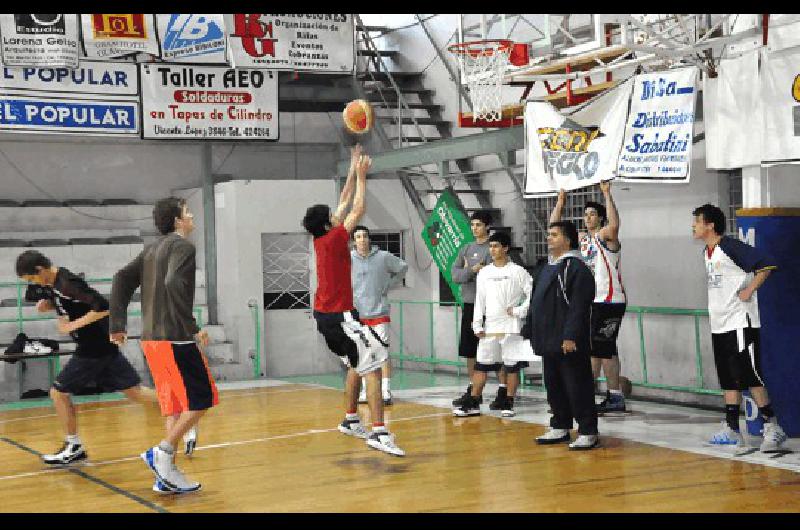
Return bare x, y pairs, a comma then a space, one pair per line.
755, 187
210, 232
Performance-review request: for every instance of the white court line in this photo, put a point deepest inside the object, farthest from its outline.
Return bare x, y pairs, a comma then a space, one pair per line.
214, 446
127, 405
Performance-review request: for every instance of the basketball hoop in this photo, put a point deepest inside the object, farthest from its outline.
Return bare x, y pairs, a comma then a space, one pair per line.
484, 63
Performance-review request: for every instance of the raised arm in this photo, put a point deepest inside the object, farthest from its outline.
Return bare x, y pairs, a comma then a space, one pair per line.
555, 215
610, 232
350, 183
360, 198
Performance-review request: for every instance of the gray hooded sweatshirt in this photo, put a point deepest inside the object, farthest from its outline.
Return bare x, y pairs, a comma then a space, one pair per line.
372, 277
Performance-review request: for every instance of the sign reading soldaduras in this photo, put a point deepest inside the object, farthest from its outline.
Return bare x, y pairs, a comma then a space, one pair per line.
98, 98
658, 136
318, 42
446, 231
192, 38
39, 40
193, 102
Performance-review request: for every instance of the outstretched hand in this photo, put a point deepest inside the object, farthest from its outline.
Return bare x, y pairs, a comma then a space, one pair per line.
562, 195
364, 163
605, 186
355, 153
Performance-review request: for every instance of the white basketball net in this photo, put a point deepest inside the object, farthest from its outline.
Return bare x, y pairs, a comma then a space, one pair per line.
483, 66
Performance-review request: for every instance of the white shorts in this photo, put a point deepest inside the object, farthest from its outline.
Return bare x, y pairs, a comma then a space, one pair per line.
508, 350
372, 344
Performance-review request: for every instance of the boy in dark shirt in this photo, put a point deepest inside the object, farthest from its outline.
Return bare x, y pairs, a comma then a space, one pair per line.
83, 314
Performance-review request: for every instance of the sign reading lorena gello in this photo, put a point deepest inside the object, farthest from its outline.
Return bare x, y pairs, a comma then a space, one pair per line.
97, 98
192, 102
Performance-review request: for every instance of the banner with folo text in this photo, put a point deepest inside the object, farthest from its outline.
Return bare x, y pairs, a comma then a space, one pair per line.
577, 148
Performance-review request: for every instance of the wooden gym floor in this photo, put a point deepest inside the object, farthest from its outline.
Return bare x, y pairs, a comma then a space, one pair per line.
276, 449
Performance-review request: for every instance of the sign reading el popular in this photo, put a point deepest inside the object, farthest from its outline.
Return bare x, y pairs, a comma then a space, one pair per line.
318, 42
39, 40
209, 103
114, 35
97, 98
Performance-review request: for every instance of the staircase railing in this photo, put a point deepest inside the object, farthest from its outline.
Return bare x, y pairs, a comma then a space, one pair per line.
401, 101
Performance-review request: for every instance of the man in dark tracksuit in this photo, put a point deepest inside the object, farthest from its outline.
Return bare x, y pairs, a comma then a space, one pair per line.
559, 324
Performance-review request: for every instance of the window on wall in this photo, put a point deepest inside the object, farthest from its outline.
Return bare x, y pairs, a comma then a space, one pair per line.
391, 242
734, 200
537, 214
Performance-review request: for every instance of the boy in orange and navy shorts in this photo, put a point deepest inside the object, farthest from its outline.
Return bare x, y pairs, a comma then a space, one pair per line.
165, 270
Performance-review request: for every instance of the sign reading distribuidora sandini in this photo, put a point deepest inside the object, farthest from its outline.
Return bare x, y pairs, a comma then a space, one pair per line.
193, 102
97, 98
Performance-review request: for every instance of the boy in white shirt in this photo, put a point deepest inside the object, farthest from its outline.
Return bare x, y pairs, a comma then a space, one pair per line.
503, 293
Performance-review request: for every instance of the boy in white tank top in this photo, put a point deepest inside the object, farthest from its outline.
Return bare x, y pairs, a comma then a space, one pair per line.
601, 248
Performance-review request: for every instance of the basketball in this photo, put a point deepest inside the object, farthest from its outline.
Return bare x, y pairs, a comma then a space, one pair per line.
358, 116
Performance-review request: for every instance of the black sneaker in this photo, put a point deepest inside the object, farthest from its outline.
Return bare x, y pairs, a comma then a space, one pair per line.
470, 407
68, 454
500, 400
460, 401
507, 410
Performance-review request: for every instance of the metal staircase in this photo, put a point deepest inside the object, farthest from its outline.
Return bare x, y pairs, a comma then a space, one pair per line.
407, 115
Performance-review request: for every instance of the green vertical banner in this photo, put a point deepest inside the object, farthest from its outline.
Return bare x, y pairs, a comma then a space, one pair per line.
445, 232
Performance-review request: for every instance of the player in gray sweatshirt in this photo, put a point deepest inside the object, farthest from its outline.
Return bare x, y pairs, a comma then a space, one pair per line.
471, 258
374, 272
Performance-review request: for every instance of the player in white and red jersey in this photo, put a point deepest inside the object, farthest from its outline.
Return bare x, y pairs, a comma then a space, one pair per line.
601, 248
734, 271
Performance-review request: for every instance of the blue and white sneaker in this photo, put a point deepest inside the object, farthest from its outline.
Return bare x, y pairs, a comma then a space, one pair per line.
727, 437
162, 464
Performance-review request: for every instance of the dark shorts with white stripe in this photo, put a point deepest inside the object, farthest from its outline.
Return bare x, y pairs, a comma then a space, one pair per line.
738, 358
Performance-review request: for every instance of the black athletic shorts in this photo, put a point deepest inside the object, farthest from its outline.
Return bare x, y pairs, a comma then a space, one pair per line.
109, 372
330, 326
737, 355
512, 369
468, 344
606, 319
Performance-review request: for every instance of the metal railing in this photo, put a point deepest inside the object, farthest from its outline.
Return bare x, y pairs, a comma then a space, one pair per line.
54, 362
255, 354
639, 311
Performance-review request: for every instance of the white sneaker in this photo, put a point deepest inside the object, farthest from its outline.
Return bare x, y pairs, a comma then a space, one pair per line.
353, 428
68, 454
190, 441
727, 437
162, 464
584, 442
553, 436
773, 438
384, 441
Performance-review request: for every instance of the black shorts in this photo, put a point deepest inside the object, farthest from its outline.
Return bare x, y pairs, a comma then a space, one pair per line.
110, 373
737, 355
606, 320
512, 369
468, 344
330, 326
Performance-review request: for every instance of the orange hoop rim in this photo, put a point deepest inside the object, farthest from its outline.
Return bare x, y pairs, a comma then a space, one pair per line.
464, 48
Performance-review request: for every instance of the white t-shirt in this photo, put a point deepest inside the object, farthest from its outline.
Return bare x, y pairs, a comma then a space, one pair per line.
497, 289
729, 268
